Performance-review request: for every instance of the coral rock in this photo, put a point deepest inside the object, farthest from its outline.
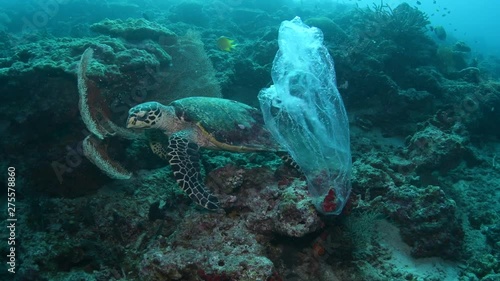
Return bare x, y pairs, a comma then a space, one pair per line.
135, 30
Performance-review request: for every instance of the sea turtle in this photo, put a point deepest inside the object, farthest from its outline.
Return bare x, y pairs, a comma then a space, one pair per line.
194, 122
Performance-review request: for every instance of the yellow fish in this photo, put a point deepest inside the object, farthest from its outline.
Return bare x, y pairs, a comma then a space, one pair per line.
225, 44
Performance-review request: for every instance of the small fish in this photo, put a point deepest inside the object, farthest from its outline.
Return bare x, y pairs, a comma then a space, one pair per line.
434, 2
443, 15
225, 44
418, 3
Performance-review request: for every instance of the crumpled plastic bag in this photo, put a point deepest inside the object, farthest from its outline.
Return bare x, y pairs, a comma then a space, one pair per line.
305, 114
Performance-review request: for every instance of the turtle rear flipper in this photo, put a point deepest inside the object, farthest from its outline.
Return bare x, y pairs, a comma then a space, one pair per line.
288, 160
184, 159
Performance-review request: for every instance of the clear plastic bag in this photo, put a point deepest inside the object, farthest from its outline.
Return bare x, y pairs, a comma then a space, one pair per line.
305, 113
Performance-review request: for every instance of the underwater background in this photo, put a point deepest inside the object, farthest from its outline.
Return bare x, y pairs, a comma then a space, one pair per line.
420, 81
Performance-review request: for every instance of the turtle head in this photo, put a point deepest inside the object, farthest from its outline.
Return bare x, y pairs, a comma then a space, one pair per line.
146, 115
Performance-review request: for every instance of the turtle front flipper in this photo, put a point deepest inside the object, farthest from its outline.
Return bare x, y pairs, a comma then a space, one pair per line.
156, 141
184, 159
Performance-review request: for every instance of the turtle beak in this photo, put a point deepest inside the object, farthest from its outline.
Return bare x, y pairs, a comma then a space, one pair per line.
131, 122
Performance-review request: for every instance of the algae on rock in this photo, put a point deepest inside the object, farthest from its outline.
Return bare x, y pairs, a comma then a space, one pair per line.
134, 30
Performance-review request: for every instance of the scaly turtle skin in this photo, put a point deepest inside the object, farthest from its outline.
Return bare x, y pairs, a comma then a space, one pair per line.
195, 122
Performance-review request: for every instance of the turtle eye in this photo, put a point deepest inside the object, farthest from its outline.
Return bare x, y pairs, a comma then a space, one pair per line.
141, 116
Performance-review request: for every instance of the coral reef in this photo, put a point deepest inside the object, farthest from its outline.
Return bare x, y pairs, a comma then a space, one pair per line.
208, 245
285, 210
431, 148
427, 219
59, 56
135, 30
424, 137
